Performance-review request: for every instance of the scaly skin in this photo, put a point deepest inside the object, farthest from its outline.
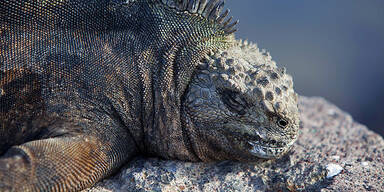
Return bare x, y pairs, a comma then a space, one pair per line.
240, 108
87, 85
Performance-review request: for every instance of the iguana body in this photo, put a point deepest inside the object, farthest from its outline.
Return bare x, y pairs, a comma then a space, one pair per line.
86, 85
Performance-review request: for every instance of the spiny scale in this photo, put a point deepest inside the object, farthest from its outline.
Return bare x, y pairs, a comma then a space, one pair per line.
209, 9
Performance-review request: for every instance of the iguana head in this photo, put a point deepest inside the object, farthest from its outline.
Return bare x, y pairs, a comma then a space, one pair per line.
239, 105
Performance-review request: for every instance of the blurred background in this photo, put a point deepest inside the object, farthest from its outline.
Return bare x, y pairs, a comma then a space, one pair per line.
333, 49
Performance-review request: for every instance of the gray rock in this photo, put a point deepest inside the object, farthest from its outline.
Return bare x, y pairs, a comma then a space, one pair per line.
333, 153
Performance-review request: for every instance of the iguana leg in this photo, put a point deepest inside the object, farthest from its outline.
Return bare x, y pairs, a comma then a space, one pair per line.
63, 163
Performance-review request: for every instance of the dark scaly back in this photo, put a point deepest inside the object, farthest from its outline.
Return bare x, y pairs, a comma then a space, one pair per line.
86, 84
37, 55
148, 48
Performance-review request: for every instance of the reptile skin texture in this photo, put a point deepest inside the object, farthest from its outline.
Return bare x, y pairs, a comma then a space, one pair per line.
85, 85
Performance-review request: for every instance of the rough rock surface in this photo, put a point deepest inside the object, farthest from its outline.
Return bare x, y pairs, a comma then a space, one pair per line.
333, 153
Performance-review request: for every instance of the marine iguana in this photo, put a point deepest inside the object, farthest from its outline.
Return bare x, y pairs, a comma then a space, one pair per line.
87, 85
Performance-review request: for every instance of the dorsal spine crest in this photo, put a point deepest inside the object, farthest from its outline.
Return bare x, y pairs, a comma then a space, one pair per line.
208, 9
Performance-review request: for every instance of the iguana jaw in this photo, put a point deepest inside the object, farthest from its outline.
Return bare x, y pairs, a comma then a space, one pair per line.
267, 152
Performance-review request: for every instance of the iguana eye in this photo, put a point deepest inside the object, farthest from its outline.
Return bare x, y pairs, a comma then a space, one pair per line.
282, 123
233, 101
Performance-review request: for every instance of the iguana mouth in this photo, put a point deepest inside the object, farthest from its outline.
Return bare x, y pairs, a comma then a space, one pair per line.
267, 152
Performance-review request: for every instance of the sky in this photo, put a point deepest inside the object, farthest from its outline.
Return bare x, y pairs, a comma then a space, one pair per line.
333, 49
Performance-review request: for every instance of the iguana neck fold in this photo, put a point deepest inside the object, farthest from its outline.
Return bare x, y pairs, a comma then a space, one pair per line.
178, 50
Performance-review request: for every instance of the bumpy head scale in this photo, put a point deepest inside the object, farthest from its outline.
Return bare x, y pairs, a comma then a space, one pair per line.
242, 93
